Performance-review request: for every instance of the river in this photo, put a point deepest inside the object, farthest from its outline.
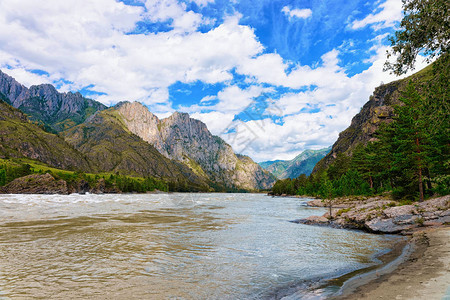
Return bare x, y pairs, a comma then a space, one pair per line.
172, 246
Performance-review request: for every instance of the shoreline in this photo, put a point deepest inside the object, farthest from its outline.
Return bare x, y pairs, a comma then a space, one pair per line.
417, 268
420, 271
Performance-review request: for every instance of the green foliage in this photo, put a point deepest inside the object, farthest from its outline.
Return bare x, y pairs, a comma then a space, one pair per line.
425, 28
339, 167
10, 170
2, 177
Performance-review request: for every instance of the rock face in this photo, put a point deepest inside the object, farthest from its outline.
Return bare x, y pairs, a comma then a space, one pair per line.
36, 184
58, 111
301, 164
189, 141
21, 138
107, 142
379, 109
384, 216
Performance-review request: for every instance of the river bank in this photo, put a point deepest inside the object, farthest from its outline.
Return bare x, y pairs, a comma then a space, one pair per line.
418, 269
420, 272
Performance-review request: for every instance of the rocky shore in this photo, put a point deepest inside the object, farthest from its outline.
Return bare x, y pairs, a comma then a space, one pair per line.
420, 270
381, 215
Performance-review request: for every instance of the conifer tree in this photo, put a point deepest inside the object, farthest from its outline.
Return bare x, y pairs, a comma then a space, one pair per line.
410, 140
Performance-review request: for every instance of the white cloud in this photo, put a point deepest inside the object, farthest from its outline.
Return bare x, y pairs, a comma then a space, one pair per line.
216, 121
338, 97
172, 10
26, 78
303, 13
207, 99
231, 101
85, 42
270, 68
386, 15
234, 99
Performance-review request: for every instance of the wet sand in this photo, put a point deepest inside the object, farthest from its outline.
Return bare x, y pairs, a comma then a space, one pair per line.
422, 271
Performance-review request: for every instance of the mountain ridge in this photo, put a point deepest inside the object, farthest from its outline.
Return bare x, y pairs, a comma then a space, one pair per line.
58, 111
128, 139
189, 141
301, 164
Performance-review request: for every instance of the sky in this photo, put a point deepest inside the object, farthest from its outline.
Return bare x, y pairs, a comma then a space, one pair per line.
271, 77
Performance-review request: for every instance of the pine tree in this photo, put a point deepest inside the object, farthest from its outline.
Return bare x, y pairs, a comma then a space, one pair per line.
410, 140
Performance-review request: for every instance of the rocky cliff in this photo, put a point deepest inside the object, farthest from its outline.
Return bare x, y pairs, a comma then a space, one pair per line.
59, 111
189, 141
301, 164
107, 142
379, 109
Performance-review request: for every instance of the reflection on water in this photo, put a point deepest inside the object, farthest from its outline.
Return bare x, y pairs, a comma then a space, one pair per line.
178, 246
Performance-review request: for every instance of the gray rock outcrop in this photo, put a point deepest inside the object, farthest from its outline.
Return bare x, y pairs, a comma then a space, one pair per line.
36, 184
188, 140
386, 216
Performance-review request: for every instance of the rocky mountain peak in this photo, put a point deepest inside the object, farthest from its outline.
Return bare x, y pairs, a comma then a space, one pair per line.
10, 88
179, 116
140, 121
136, 110
44, 103
189, 141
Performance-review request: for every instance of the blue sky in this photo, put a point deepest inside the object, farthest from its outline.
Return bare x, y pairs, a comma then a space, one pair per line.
272, 78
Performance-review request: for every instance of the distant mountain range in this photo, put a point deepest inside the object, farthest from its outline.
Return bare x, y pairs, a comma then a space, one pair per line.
301, 164
69, 131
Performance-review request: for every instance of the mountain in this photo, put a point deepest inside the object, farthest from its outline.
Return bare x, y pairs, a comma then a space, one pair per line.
189, 141
128, 139
301, 164
58, 111
20, 138
379, 109
106, 141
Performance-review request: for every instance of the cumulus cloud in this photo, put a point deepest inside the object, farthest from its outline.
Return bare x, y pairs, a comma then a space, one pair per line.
86, 42
311, 119
299, 76
175, 12
303, 13
386, 15
27, 78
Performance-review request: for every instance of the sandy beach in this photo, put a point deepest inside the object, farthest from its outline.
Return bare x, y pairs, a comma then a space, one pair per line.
421, 272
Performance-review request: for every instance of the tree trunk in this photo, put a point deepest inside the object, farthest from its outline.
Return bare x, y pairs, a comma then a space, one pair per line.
371, 182
420, 185
420, 171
